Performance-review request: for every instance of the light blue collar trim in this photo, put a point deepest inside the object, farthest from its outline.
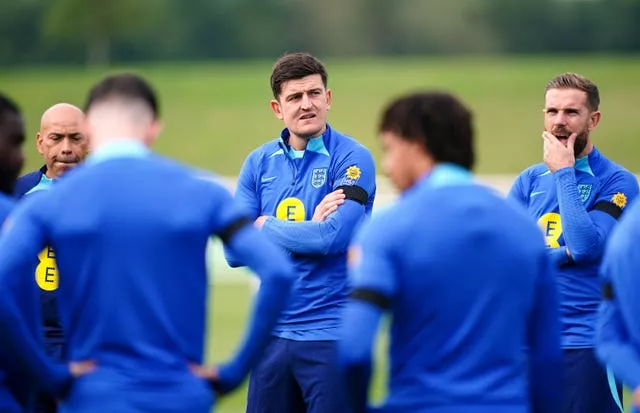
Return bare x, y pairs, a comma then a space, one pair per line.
448, 174
314, 145
45, 183
582, 164
44, 179
129, 148
294, 154
317, 145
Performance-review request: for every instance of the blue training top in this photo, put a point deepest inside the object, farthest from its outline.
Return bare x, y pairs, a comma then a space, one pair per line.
8, 402
287, 185
44, 271
576, 208
467, 282
130, 231
618, 332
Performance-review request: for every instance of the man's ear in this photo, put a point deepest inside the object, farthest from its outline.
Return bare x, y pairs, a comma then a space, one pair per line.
594, 120
276, 108
39, 143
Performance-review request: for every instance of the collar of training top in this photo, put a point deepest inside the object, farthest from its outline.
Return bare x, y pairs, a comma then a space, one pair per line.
317, 144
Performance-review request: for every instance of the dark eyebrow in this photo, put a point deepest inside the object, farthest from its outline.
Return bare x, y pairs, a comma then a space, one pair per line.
293, 95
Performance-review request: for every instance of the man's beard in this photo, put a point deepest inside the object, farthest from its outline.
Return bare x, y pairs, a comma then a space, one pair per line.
579, 144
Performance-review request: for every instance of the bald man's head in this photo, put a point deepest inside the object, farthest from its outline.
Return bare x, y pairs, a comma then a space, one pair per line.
61, 140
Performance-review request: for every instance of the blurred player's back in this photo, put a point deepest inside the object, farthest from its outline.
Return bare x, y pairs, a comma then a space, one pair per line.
140, 224
469, 265
129, 230
12, 389
148, 212
464, 275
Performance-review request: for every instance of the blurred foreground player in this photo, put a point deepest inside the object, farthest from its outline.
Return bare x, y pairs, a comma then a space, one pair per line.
463, 274
618, 332
11, 160
133, 279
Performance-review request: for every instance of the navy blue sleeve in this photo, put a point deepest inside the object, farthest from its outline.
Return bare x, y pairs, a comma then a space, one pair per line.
618, 329
545, 355
585, 232
23, 237
355, 174
373, 278
276, 275
247, 198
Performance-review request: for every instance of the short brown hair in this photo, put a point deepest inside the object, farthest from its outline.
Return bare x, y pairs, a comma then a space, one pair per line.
295, 66
577, 81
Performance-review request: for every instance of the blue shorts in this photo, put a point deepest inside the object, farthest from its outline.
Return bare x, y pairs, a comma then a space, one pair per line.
297, 377
588, 386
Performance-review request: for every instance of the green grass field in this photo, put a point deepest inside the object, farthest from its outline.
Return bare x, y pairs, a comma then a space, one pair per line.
215, 113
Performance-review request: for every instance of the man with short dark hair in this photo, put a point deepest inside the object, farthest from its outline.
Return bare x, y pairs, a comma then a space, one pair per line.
463, 275
133, 277
577, 195
281, 184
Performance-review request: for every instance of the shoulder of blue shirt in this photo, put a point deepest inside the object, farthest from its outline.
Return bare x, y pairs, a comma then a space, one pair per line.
28, 181
335, 140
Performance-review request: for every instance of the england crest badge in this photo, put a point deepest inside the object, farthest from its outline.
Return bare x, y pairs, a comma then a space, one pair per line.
584, 190
318, 177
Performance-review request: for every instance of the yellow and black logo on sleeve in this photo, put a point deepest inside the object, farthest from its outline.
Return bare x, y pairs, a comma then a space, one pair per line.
351, 175
619, 199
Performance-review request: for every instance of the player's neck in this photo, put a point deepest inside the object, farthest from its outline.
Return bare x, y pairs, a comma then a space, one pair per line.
50, 174
98, 142
423, 167
586, 151
299, 143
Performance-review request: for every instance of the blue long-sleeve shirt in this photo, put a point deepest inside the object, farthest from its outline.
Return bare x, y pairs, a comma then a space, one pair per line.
44, 272
287, 185
130, 230
8, 402
618, 333
576, 208
467, 283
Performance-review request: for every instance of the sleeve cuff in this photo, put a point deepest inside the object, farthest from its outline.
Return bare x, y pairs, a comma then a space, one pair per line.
564, 173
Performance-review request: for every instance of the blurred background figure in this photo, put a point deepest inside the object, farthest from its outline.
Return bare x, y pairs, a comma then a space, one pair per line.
62, 144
